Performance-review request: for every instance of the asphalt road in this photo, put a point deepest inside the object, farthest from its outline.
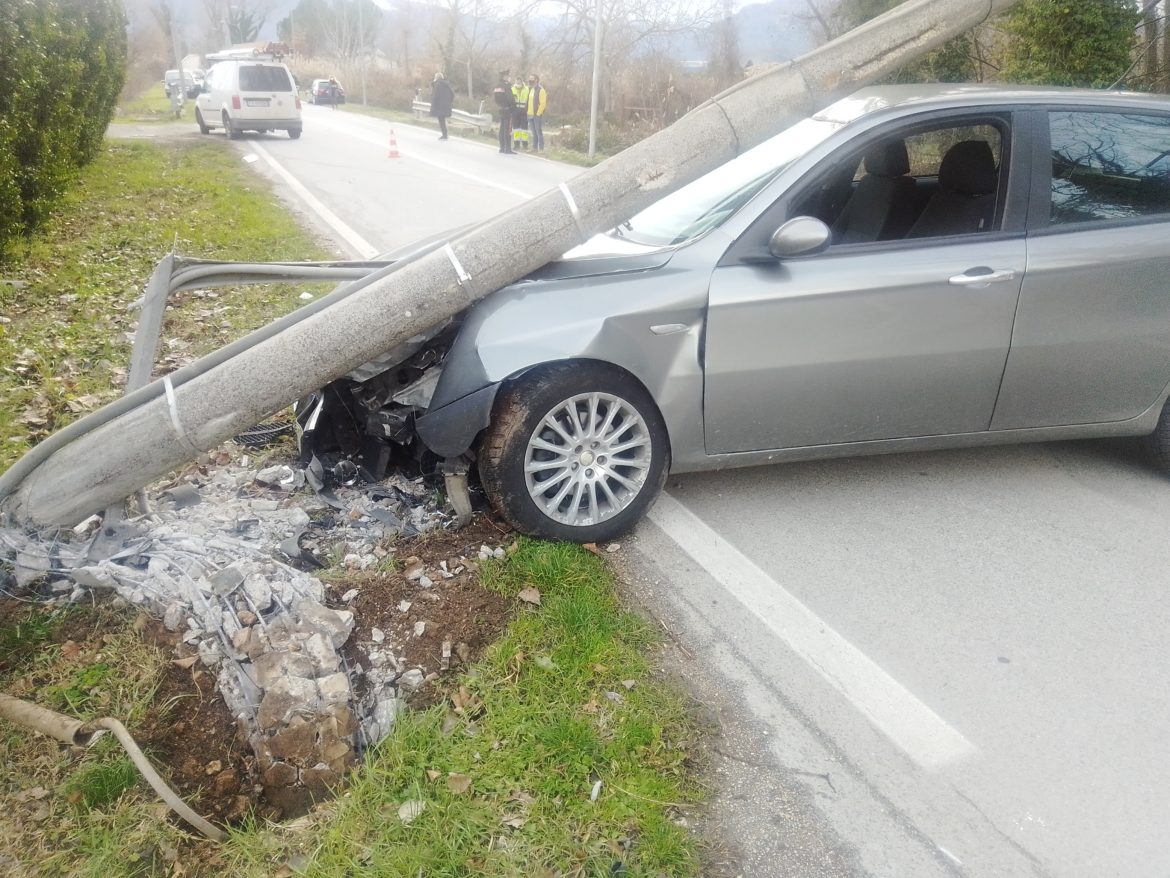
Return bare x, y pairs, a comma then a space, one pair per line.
1013, 600
344, 160
940, 663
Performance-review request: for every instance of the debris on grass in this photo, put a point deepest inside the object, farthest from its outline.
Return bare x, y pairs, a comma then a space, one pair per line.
222, 564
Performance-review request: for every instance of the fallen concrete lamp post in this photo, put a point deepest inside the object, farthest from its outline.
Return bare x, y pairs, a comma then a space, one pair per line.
171, 421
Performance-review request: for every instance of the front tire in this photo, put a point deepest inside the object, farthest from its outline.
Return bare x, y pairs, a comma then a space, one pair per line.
575, 451
1158, 442
203, 127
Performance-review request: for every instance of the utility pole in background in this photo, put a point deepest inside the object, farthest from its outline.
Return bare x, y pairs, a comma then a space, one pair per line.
178, 97
596, 81
362, 47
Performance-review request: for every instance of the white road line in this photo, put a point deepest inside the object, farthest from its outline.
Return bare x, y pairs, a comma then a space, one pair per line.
921, 733
415, 157
364, 248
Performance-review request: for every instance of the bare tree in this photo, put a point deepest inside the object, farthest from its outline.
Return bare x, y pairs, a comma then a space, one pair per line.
629, 28
348, 29
235, 21
825, 20
725, 61
476, 29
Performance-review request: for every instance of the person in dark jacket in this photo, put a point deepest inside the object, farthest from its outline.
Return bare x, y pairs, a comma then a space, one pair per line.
502, 98
441, 99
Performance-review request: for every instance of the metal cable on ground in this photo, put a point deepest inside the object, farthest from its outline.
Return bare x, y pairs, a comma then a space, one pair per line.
70, 730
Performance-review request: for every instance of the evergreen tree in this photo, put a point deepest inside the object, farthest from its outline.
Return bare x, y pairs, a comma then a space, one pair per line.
1062, 42
62, 64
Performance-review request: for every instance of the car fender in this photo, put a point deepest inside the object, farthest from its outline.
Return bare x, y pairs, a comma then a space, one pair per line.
648, 322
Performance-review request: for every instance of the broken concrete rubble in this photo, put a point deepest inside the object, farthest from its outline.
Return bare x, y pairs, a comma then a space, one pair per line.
261, 624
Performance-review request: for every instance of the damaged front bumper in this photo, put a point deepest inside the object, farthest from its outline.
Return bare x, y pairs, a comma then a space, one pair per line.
379, 417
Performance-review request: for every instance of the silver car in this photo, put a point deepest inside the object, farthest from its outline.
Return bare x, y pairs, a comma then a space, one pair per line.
915, 267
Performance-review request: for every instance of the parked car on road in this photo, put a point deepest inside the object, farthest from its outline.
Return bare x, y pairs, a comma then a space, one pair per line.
171, 80
248, 95
914, 267
326, 91
196, 86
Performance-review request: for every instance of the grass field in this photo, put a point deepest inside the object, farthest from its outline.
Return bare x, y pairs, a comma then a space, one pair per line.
154, 106
65, 331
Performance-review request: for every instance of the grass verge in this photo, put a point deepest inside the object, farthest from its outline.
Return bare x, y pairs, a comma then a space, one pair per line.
153, 105
557, 755
66, 324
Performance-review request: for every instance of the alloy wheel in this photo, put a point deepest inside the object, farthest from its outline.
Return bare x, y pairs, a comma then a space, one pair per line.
587, 459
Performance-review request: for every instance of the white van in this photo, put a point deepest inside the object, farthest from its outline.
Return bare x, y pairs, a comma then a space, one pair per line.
248, 95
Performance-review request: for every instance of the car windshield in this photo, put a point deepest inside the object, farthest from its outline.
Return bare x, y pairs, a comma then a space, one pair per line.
257, 77
709, 201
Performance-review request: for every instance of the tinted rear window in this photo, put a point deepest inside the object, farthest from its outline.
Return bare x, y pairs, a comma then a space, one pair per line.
1109, 166
257, 77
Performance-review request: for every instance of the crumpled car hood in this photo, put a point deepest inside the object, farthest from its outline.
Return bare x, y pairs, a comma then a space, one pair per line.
601, 255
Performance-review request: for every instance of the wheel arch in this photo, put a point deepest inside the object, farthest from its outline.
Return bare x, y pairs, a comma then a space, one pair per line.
651, 331
596, 490
591, 361
456, 427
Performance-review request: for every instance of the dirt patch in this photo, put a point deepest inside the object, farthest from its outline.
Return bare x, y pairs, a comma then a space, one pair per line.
146, 129
400, 611
190, 731
431, 597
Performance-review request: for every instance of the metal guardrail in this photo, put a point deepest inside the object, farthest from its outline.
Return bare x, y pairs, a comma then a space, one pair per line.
480, 121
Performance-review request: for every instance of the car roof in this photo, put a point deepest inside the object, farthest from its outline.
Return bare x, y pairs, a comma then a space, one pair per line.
927, 95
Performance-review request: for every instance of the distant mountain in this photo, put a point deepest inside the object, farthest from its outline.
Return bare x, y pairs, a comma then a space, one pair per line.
770, 31
774, 31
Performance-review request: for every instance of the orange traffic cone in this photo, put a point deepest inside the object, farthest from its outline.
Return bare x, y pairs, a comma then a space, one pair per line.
393, 146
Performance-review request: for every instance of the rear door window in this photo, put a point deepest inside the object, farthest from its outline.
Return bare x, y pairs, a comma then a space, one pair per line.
1109, 166
257, 77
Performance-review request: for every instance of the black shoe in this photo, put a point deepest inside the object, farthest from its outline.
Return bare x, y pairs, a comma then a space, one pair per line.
442, 137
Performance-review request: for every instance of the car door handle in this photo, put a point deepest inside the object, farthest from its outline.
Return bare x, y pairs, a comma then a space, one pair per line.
984, 278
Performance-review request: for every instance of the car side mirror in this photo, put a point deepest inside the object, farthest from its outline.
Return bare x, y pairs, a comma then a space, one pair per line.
800, 236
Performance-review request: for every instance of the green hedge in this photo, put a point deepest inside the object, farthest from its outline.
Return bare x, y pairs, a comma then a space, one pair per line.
62, 63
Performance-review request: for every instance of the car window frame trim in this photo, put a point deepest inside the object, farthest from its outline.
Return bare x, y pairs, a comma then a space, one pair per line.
1014, 191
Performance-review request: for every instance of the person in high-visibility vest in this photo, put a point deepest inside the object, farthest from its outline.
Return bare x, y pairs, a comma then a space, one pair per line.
537, 101
520, 118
